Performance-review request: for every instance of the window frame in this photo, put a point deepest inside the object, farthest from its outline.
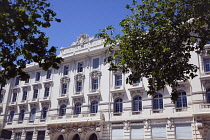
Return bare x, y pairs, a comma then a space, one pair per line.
77, 108
21, 115
118, 105
64, 89
44, 113
79, 87
206, 63
17, 81
18, 136
181, 100
118, 80
35, 94
80, 67
46, 92
11, 116
38, 76
66, 70
208, 95
14, 97
32, 116
96, 62
95, 84
25, 94
49, 74
157, 102
94, 107
137, 103
62, 110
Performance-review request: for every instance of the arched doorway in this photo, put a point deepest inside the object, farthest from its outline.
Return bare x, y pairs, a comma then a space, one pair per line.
76, 137
60, 137
93, 137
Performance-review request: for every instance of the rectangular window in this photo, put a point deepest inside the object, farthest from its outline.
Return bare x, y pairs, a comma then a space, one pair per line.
17, 136
27, 81
117, 60
1, 98
49, 72
80, 67
35, 94
64, 89
117, 133
79, 86
159, 132
137, 132
118, 80
14, 97
41, 135
206, 65
29, 136
17, 79
94, 84
24, 95
183, 131
46, 91
95, 63
37, 76
66, 70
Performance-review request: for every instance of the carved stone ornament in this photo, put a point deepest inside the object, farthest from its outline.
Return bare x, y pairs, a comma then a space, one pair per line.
45, 104
116, 95
92, 98
48, 84
26, 88
136, 92
147, 124
79, 99
36, 86
65, 80
82, 39
126, 125
95, 74
63, 101
22, 106
3, 91
15, 90
33, 105
206, 83
79, 77
199, 122
170, 122
12, 108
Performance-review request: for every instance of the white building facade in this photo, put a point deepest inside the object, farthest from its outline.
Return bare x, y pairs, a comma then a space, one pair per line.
83, 100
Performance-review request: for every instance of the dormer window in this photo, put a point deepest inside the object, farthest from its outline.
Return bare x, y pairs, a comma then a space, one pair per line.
96, 63
17, 79
66, 70
37, 76
49, 72
206, 65
80, 67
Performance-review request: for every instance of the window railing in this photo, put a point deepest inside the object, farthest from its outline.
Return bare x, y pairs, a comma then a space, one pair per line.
205, 105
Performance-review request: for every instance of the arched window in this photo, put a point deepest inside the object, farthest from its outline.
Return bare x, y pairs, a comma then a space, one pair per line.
62, 110
158, 101
44, 113
21, 115
60, 137
11, 116
118, 105
208, 96
137, 103
181, 100
32, 114
76, 137
93, 137
77, 108
94, 107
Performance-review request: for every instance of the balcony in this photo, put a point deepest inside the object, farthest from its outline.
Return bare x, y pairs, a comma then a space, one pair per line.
13, 104
71, 118
94, 93
34, 101
155, 111
78, 95
23, 102
181, 109
63, 97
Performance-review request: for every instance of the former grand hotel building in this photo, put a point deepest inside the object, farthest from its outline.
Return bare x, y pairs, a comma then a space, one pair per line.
83, 100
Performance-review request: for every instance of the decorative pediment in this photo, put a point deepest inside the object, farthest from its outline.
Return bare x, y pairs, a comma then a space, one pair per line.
36, 86
79, 77
22, 107
78, 99
33, 105
95, 74
46, 103
48, 84
65, 80
183, 85
206, 83
12, 108
136, 92
26, 88
63, 101
92, 98
116, 95
16, 90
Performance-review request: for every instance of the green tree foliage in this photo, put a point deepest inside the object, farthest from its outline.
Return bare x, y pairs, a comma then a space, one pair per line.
21, 40
157, 41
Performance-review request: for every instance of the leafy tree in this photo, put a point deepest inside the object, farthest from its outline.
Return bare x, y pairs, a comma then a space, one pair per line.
21, 40
157, 41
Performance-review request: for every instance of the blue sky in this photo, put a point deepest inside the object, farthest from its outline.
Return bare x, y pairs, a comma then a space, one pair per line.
83, 16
